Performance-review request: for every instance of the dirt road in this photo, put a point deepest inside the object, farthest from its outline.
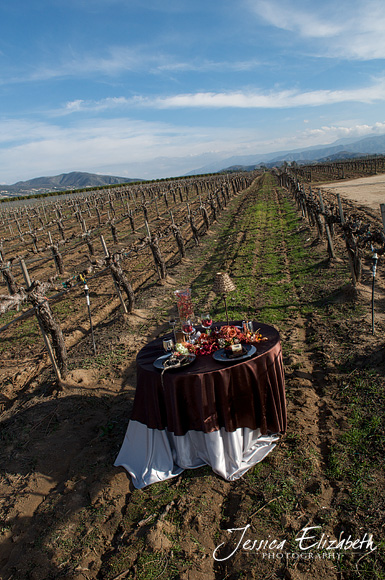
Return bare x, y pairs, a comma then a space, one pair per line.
366, 191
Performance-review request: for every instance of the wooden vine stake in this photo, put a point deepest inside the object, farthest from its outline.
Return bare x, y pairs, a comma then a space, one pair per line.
317, 217
87, 295
205, 215
382, 207
214, 209
122, 281
157, 255
113, 231
48, 324
90, 245
5, 268
157, 209
56, 255
327, 229
61, 229
349, 251
194, 229
178, 237
117, 286
131, 218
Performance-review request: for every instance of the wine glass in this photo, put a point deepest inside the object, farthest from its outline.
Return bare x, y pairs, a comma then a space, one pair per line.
206, 321
187, 328
173, 321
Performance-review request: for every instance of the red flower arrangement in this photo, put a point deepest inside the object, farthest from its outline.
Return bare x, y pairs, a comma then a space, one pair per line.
208, 343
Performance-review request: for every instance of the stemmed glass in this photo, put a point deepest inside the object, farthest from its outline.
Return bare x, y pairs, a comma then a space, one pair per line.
206, 321
173, 321
187, 329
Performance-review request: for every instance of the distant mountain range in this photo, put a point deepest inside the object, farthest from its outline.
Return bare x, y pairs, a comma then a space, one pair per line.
62, 182
341, 149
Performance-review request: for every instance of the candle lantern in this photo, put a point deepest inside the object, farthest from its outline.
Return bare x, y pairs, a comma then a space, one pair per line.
223, 285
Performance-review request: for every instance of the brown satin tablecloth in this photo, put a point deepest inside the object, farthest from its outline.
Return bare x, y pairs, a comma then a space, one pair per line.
228, 415
208, 395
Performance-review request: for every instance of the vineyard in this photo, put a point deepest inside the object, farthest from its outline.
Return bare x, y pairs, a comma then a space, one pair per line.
145, 238
103, 265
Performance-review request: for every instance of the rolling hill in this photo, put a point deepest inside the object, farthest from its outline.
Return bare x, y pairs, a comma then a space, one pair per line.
62, 182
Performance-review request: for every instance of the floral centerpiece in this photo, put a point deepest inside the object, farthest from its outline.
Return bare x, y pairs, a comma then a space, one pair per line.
210, 341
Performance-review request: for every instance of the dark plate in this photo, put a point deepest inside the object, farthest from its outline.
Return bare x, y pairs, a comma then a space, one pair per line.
158, 363
220, 355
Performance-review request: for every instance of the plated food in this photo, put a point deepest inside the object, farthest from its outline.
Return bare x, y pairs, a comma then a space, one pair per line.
221, 355
235, 351
173, 361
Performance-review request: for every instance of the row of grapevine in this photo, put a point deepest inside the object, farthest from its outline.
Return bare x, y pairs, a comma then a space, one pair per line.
343, 169
53, 230
358, 235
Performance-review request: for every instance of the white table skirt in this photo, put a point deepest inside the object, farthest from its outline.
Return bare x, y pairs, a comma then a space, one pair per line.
152, 455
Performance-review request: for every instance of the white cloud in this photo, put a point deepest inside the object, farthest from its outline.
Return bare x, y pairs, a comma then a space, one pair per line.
121, 59
115, 61
271, 100
289, 16
334, 132
241, 100
80, 105
349, 29
74, 106
20, 130
210, 66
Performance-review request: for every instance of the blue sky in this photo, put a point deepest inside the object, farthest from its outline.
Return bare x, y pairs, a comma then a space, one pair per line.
157, 88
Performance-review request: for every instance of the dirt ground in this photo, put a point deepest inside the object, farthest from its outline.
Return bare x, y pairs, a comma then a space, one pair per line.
365, 191
58, 445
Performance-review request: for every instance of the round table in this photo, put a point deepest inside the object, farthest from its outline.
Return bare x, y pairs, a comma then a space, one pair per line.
225, 414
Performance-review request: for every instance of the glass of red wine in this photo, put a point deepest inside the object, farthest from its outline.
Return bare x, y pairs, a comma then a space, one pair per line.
187, 329
206, 321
